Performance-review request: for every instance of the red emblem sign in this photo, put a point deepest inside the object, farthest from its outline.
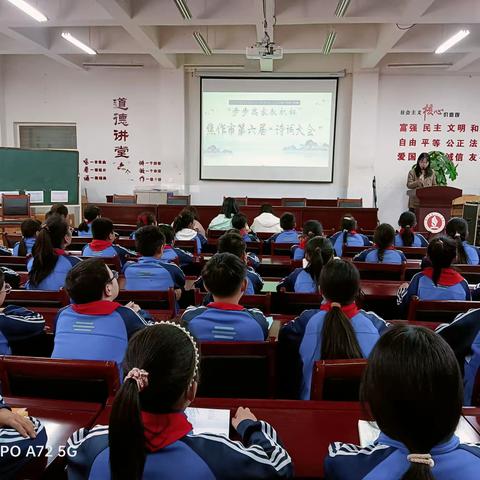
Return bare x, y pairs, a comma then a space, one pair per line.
434, 222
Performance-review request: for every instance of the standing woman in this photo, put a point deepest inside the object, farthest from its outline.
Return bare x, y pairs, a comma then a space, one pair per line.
420, 176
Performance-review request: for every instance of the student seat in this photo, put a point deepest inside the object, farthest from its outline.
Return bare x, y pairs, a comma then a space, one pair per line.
337, 380
261, 301
10, 239
381, 271
237, 369
296, 303
38, 298
81, 380
188, 245
112, 262
443, 311
282, 249
471, 273
161, 304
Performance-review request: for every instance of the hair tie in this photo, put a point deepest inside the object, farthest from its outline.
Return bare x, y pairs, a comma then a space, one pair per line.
335, 304
424, 458
407, 226
457, 235
140, 376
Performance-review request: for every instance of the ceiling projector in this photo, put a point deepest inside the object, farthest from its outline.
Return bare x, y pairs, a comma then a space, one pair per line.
261, 51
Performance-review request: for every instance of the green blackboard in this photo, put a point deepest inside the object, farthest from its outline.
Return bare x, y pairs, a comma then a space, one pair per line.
47, 170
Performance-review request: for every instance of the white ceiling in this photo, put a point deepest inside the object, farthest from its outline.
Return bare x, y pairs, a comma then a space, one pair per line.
153, 32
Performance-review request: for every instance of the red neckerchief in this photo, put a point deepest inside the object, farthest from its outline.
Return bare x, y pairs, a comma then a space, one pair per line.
349, 310
99, 307
243, 232
225, 306
303, 242
402, 230
167, 247
448, 276
352, 232
163, 429
60, 251
99, 245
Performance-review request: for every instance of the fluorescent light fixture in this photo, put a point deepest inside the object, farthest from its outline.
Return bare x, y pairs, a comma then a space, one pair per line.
183, 9
198, 66
342, 8
113, 65
202, 43
452, 41
29, 10
329, 41
419, 65
75, 41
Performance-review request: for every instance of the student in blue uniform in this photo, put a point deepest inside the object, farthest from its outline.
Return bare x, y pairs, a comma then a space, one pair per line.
149, 435
232, 242
318, 252
94, 326
288, 233
463, 335
438, 282
170, 252
29, 229
150, 272
224, 275
406, 237
89, 215
348, 236
311, 228
48, 267
413, 388
252, 258
457, 229
102, 243
183, 228
144, 219
16, 323
383, 250
21, 435
239, 222
338, 330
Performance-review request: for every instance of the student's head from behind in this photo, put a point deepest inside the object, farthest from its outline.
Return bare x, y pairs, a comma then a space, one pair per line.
149, 241
232, 242
318, 252
229, 207
266, 208
457, 229
169, 358
413, 387
348, 223
183, 220
168, 233
224, 276
146, 218
441, 251
407, 222
312, 228
30, 228
339, 285
383, 237
59, 209
89, 214
90, 281
239, 221
102, 229
193, 210
287, 221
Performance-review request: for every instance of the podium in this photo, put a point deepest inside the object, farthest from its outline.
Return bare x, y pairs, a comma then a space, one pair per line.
434, 199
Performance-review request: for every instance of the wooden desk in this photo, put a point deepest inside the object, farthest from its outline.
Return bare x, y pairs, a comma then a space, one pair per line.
306, 427
60, 418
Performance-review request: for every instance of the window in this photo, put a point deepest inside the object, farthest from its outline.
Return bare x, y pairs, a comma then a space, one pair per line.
47, 135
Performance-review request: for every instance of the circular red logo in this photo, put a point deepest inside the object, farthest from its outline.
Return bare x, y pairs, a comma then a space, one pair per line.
434, 222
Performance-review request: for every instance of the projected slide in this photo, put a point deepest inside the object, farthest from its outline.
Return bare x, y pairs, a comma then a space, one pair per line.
275, 129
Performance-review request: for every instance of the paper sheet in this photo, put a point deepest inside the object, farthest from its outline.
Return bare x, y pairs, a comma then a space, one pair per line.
36, 196
59, 196
209, 420
269, 321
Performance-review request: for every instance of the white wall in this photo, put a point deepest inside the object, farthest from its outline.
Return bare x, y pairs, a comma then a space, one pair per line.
164, 125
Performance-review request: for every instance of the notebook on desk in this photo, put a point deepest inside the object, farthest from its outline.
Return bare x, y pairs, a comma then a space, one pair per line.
209, 420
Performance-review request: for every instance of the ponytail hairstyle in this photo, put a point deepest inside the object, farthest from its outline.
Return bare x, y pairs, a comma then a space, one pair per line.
52, 235
441, 251
312, 228
457, 228
318, 251
347, 224
383, 237
169, 355
340, 283
183, 220
193, 210
89, 214
29, 229
413, 388
146, 218
407, 222
229, 207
